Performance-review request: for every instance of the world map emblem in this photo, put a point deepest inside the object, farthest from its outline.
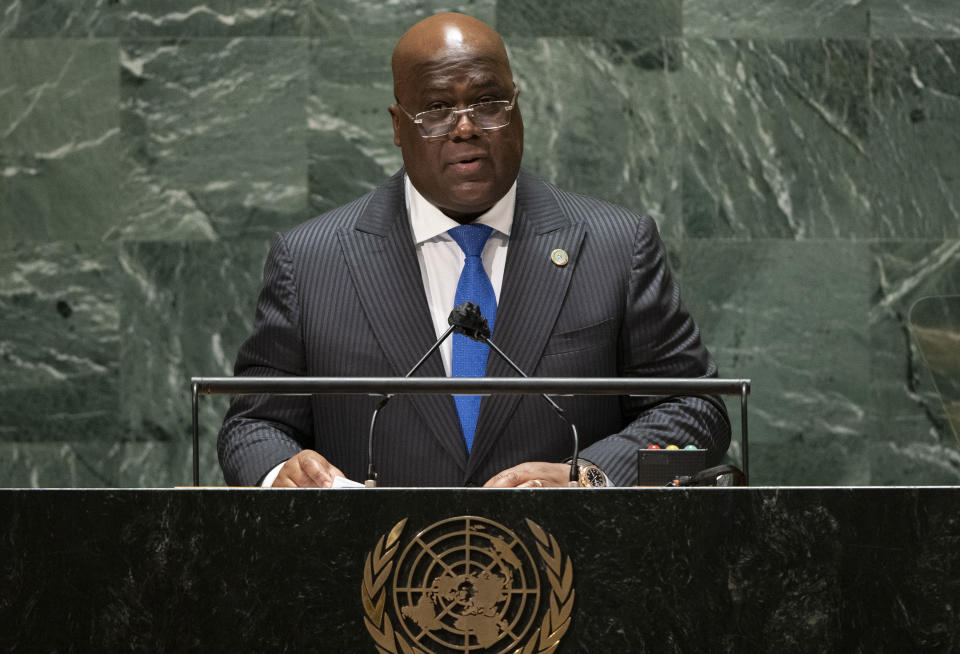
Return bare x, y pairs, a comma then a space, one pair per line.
467, 585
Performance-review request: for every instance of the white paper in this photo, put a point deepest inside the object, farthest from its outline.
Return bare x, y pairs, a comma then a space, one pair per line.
343, 482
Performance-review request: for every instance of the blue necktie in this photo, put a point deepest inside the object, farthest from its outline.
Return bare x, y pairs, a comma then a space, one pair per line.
470, 357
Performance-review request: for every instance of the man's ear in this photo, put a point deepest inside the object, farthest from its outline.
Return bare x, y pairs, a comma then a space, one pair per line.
395, 114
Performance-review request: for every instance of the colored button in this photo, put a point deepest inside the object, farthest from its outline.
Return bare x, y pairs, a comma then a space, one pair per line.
672, 447
653, 447
691, 447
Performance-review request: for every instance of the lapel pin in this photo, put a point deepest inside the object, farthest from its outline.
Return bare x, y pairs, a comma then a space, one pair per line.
559, 257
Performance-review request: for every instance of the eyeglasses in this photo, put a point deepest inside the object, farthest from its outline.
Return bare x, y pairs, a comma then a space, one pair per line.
485, 115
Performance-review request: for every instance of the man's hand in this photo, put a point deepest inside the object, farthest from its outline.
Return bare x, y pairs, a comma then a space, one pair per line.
534, 474
306, 470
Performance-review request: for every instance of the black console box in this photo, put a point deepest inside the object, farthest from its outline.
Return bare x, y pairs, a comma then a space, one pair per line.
661, 467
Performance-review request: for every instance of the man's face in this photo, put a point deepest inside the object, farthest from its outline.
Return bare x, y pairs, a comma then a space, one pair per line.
468, 170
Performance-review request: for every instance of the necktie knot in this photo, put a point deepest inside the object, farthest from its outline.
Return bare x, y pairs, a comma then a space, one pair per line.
471, 238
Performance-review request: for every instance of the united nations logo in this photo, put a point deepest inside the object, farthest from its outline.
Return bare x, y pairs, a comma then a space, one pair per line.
466, 585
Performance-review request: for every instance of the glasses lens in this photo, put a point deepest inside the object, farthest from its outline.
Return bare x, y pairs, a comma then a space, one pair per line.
485, 115
489, 115
437, 122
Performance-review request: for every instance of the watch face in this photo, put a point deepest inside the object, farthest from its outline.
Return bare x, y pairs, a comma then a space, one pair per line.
592, 476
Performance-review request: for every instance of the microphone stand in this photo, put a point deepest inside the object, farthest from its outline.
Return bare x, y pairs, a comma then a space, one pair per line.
466, 319
371, 481
574, 464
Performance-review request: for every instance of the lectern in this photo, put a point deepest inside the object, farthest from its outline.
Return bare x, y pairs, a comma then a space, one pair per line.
472, 570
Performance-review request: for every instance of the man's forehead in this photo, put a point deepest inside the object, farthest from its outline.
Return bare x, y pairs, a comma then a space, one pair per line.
439, 74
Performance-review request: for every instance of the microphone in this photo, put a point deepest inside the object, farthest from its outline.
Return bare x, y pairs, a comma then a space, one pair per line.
467, 319
371, 481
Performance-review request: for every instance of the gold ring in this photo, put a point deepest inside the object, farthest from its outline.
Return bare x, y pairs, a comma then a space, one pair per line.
538, 483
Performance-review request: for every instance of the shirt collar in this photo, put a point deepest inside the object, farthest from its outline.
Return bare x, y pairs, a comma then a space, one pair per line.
427, 221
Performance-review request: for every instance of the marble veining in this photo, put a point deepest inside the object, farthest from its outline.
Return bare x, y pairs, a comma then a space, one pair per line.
215, 133
616, 19
802, 345
622, 102
914, 18
59, 329
776, 134
914, 138
776, 19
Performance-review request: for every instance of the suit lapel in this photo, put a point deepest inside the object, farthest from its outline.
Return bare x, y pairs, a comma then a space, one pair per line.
530, 299
382, 260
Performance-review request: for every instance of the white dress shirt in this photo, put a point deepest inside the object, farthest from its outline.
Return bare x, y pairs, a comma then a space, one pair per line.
441, 259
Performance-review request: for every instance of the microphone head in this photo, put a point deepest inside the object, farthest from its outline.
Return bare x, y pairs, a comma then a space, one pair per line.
467, 319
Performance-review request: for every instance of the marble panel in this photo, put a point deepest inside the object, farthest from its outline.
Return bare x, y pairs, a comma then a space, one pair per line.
350, 131
69, 18
776, 139
59, 140
372, 18
186, 309
792, 318
59, 332
912, 441
922, 18
118, 463
915, 138
214, 131
168, 18
51, 465
211, 18
630, 19
599, 120
775, 19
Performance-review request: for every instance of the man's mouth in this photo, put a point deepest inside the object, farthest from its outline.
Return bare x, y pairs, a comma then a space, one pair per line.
467, 164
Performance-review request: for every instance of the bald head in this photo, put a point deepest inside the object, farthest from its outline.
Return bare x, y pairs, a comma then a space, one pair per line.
452, 63
444, 40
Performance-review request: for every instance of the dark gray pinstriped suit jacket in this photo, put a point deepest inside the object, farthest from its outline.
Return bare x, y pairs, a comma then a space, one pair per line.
343, 296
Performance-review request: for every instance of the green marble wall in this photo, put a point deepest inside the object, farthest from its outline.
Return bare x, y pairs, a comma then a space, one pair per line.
801, 159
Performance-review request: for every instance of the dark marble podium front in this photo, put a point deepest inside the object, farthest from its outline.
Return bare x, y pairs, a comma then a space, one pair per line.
656, 570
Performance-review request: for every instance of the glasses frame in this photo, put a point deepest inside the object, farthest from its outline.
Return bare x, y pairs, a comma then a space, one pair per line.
456, 113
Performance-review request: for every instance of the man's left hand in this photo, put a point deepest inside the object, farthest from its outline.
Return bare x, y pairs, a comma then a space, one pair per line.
534, 474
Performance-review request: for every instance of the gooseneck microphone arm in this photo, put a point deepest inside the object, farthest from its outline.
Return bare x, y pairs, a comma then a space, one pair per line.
574, 464
371, 481
433, 349
468, 320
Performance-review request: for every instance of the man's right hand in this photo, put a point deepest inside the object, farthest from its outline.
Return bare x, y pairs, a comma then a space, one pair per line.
307, 469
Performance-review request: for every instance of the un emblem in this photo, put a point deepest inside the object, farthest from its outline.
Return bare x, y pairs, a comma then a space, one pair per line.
466, 585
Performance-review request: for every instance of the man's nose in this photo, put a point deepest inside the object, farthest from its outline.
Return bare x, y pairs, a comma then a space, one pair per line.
465, 127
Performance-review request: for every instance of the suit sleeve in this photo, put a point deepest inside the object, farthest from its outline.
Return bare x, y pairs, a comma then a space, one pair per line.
261, 431
658, 338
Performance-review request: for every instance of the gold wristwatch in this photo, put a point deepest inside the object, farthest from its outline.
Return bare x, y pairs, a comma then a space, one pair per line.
592, 477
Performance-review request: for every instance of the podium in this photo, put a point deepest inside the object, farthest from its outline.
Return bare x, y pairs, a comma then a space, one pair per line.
647, 570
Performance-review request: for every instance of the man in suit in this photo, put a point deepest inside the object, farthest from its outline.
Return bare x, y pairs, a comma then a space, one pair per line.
573, 287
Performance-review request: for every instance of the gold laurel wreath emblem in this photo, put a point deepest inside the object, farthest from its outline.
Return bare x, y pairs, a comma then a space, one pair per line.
379, 564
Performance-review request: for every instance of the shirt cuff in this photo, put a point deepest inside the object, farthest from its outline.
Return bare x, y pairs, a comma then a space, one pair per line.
271, 476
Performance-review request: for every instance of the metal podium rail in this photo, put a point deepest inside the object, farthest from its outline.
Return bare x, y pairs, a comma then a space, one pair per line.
380, 386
